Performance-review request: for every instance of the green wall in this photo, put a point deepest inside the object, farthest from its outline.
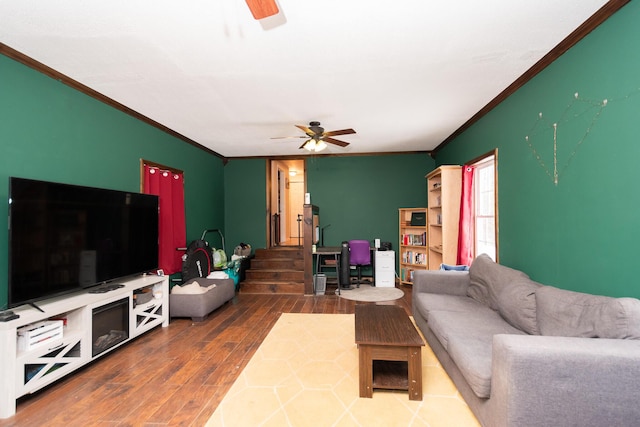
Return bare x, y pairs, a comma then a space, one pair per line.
245, 203
49, 131
358, 196
581, 234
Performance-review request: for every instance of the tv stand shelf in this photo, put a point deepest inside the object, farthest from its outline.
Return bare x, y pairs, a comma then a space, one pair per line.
26, 370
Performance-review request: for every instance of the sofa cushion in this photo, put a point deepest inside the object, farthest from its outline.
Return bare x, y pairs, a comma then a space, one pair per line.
442, 302
517, 305
468, 338
487, 279
573, 314
481, 320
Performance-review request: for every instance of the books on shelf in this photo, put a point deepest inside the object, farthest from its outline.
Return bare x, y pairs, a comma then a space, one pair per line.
409, 239
411, 257
406, 274
414, 250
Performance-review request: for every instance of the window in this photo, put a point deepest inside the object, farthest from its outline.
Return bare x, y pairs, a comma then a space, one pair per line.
482, 217
484, 212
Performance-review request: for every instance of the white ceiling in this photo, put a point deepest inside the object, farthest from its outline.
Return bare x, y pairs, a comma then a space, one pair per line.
404, 74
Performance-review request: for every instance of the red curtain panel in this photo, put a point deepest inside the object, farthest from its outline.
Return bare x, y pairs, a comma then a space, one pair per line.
169, 186
466, 231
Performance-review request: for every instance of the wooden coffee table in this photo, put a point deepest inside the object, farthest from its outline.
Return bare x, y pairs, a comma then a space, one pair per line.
390, 350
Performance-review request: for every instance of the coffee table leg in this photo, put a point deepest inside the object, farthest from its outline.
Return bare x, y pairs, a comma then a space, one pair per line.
365, 371
415, 373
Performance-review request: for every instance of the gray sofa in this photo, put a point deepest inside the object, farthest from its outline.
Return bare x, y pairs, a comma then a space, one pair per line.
525, 354
199, 305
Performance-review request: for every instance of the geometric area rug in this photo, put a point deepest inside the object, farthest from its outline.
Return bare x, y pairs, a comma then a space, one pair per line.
305, 373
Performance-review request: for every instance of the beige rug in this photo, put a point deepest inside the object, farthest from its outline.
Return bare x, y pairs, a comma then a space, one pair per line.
305, 373
370, 293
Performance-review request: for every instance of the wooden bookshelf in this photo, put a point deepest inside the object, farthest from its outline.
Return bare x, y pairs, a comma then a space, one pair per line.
412, 242
444, 186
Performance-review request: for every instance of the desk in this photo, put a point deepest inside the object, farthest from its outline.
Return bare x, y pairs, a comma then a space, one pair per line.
333, 253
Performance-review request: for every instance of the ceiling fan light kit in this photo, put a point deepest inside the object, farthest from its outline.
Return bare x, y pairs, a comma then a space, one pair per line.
318, 138
314, 146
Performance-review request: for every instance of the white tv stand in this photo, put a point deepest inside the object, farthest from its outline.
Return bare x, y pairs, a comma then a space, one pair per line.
26, 371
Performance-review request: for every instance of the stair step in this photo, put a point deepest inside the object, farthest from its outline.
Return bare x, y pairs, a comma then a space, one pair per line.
271, 287
275, 271
277, 275
277, 264
290, 252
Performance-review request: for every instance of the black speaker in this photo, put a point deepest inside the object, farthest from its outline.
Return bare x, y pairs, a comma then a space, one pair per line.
385, 246
344, 278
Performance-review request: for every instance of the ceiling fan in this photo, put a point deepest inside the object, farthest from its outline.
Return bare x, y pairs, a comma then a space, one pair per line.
261, 9
318, 138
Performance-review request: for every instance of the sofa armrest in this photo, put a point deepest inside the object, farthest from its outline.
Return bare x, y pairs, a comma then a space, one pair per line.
562, 381
441, 282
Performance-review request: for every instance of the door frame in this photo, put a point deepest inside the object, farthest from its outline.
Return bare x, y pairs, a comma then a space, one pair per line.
278, 197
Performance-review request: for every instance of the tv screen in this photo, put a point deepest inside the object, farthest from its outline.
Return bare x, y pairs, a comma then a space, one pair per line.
64, 238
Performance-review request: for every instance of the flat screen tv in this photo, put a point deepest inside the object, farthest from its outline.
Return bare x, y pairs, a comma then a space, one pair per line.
64, 238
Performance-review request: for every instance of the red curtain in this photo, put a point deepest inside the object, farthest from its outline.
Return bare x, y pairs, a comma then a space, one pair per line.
172, 234
466, 231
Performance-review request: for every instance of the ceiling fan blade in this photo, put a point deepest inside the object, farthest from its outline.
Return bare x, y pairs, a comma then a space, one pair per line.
305, 130
335, 141
339, 132
287, 137
305, 143
261, 9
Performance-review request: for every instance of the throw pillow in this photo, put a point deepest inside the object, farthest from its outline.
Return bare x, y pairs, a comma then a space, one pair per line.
575, 314
447, 267
517, 305
487, 279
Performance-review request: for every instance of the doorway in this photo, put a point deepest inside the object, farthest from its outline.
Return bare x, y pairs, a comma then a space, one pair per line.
285, 188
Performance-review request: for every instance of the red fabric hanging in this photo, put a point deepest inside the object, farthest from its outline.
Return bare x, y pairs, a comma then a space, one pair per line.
466, 231
169, 186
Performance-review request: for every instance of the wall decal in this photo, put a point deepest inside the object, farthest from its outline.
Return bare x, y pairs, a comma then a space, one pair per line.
564, 137
545, 133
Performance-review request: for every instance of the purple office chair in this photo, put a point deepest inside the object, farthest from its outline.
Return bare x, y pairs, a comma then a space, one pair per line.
359, 255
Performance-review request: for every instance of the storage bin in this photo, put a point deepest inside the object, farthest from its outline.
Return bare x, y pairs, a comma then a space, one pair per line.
320, 283
37, 334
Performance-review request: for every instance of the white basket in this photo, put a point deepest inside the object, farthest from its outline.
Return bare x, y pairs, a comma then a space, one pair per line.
35, 335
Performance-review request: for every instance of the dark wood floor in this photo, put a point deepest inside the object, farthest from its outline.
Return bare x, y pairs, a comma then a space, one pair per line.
174, 376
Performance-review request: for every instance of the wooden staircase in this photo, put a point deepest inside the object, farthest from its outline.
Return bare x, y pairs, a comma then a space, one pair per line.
275, 271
